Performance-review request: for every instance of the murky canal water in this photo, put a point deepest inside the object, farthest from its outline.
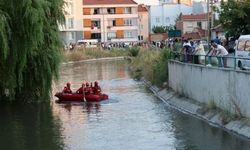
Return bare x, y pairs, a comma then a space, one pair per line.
132, 119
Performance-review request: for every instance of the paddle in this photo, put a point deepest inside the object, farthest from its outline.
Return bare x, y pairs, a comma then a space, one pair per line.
83, 92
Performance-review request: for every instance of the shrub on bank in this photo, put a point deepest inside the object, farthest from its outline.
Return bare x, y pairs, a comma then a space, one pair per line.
152, 65
133, 51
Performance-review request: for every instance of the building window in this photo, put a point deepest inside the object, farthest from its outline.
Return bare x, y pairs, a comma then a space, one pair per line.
71, 36
111, 10
113, 22
128, 34
140, 37
95, 24
96, 36
128, 10
128, 22
71, 23
157, 19
96, 11
111, 35
199, 24
189, 24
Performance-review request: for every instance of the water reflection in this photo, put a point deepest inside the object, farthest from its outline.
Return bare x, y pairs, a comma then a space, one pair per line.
132, 118
196, 134
29, 126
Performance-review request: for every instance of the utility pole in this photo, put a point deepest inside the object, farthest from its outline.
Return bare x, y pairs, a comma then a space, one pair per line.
208, 21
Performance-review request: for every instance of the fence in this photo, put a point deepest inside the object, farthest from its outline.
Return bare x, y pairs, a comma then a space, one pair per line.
227, 61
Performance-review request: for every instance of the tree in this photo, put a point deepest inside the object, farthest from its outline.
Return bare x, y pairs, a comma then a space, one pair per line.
235, 16
29, 48
162, 29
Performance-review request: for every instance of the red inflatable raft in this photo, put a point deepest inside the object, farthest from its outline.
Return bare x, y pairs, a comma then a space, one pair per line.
80, 97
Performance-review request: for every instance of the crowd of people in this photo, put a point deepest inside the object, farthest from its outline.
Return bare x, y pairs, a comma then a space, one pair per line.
194, 52
86, 88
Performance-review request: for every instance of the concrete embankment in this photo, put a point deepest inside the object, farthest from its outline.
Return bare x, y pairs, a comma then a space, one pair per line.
194, 87
240, 127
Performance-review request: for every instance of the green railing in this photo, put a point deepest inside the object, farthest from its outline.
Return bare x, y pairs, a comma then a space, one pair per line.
213, 61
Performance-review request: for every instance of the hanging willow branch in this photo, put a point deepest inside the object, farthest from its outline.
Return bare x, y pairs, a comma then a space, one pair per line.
30, 47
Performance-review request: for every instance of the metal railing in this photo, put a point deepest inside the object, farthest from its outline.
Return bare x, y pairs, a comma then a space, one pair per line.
236, 63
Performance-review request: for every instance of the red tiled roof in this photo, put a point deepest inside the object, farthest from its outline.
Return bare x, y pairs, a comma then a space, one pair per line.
194, 17
218, 28
107, 2
202, 32
142, 8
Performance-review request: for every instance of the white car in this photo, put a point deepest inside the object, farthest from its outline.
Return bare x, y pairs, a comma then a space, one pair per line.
86, 43
243, 51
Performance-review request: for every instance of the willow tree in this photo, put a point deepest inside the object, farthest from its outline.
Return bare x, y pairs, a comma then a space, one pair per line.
29, 48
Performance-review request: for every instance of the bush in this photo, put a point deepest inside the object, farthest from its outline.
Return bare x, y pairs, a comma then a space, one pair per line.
134, 51
152, 65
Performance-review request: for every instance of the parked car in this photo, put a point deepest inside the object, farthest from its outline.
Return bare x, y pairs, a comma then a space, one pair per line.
86, 43
243, 51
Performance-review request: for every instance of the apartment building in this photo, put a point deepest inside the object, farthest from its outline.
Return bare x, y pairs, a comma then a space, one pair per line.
110, 20
185, 2
143, 26
72, 29
166, 13
194, 23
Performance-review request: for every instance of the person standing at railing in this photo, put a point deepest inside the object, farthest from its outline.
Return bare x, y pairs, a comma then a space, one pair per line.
187, 51
199, 50
221, 52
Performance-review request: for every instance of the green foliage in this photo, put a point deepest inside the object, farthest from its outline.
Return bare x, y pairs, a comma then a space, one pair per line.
162, 29
152, 65
161, 68
133, 51
234, 17
30, 48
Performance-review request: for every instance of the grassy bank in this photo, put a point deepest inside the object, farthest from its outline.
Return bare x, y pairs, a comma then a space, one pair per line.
152, 65
93, 53
147, 63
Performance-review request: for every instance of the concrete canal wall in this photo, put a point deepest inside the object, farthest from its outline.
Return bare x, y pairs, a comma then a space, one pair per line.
229, 89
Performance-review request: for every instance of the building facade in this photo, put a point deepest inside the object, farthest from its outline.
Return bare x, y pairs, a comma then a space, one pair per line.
185, 2
194, 23
143, 25
72, 29
110, 21
167, 12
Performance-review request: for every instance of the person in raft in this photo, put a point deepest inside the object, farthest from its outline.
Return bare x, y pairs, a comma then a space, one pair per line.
81, 89
88, 89
96, 88
67, 88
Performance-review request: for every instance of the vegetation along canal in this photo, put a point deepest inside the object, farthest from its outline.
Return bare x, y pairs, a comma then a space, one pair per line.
131, 119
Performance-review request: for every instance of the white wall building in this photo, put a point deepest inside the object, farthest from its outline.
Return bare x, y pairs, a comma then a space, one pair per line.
72, 30
166, 13
199, 7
